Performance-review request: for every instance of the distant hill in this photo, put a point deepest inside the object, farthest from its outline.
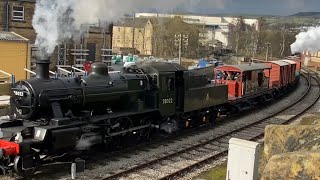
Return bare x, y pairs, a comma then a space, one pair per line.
307, 14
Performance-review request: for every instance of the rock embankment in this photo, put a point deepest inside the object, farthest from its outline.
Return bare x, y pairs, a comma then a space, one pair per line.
291, 152
283, 139
297, 165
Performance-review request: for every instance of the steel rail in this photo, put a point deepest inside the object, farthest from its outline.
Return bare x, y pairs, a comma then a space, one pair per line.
152, 162
223, 153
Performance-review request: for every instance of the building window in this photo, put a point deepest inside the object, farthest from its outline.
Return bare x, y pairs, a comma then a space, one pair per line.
119, 29
18, 13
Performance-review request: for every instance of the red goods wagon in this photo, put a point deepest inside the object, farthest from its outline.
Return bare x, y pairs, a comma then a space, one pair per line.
298, 62
243, 80
278, 74
292, 70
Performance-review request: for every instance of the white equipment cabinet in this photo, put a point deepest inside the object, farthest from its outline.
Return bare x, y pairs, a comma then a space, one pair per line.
243, 160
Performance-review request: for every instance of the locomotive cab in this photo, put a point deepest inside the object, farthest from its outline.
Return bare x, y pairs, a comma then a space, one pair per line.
168, 78
184, 95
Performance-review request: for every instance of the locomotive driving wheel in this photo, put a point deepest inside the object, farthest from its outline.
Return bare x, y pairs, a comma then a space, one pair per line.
26, 166
118, 125
212, 117
184, 121
144, 134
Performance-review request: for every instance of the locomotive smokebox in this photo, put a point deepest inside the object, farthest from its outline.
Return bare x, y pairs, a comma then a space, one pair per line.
42, 69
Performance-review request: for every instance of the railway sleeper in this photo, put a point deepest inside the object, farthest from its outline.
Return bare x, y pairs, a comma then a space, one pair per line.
220, 145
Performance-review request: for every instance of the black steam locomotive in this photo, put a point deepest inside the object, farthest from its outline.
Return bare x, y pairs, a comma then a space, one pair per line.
55, 116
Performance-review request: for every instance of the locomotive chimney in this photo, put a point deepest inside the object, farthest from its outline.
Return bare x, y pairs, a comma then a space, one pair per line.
42, 69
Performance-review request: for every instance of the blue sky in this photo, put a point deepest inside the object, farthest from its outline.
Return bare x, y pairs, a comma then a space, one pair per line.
267, 7
279, 7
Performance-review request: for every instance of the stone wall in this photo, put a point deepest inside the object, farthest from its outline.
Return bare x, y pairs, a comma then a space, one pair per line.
291, 152
283, 139
299, 165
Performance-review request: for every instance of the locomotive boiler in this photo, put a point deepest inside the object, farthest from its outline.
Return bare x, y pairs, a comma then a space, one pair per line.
98, 93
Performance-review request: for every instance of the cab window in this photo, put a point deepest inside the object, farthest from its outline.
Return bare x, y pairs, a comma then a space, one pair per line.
155, 79
170, 84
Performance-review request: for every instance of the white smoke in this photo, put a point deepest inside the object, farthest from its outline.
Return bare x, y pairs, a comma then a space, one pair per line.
58, 20
307, 41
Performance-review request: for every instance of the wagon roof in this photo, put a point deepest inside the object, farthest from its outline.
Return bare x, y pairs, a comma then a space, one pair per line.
289, 61
247, 67
280, 63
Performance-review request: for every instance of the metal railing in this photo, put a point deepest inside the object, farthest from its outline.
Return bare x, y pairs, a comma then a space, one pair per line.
34, 73
73, 71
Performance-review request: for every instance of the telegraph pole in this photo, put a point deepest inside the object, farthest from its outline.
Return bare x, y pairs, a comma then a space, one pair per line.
271, 51
267, 53
133, 33
180, 47
181, 39
178, 42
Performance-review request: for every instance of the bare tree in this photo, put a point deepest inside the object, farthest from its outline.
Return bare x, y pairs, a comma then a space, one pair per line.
284, 32
238, 35
164, 35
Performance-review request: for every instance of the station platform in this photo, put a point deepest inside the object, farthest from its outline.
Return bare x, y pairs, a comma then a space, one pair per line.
4, 101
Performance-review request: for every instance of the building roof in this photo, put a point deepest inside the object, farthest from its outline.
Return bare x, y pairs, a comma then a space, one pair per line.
141, 22
246, 67
128, 22
11, 36
280, 63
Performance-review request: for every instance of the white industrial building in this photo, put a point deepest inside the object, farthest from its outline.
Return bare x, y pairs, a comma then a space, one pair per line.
215, 28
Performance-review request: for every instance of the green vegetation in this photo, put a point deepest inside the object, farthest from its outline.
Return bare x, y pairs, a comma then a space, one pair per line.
217, 173
292, 20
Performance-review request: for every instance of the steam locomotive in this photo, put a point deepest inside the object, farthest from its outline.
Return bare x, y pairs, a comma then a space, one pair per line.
55, 116
51, 117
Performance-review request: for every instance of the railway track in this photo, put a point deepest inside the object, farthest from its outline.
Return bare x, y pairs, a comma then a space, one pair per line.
130, 162
176, 163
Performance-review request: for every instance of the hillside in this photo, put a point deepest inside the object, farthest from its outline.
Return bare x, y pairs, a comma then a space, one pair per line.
307, 14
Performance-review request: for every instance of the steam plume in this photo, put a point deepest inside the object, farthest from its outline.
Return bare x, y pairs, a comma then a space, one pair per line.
58, 20
307, 41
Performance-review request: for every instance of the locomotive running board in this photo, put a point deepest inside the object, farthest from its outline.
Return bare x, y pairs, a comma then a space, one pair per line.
96, 119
